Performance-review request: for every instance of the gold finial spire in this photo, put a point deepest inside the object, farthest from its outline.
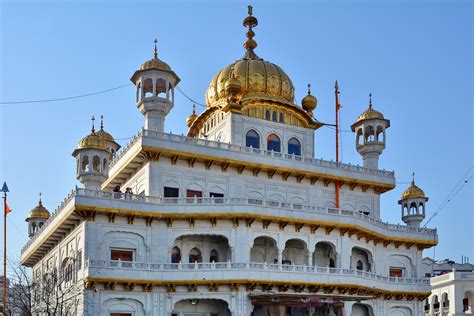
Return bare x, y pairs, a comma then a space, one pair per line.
309, 88
250, 22
370, 100
155, 51
194, 108
93, 127
101, 122
40, 198
413, 178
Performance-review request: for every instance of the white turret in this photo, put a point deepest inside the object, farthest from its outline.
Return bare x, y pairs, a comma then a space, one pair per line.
93, 156
370, 135
413, 203
155, 82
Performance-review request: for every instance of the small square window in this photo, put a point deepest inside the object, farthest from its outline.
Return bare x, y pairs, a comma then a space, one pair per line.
396, 272
121, 254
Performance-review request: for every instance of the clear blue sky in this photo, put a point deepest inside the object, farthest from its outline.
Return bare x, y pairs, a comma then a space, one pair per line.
414, 56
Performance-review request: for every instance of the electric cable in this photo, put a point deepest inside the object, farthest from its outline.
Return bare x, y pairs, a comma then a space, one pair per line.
66, 98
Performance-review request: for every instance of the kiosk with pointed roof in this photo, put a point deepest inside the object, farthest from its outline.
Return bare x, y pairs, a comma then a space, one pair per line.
413, 203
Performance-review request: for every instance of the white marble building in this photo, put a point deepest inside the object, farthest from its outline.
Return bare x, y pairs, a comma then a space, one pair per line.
452, 288
237, 218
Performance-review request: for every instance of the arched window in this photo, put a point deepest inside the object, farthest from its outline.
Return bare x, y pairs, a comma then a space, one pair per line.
273, 143
214, 257
104, 164
413, 208
195, 255
274, 116
332, 264
175, 255
294, 147
282, 118
252, 139
267, 115
85, 163
96, 163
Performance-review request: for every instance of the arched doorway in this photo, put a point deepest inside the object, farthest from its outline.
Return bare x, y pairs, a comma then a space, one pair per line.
264, 249
295, 252
201, 307
324, 255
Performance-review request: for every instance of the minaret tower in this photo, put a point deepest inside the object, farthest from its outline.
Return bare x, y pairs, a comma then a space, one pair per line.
93, 156
155, 82
370, 135
36, 218
413, 203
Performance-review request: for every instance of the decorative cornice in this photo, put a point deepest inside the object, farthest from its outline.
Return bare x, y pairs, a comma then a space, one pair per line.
251, 285
89, 213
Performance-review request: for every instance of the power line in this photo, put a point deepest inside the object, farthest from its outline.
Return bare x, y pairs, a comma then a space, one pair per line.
66, 98
456, 189
187, 97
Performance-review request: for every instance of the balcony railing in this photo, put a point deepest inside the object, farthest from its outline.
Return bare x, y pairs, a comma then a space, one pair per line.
249, 266
231, 201
249, 150
251, 201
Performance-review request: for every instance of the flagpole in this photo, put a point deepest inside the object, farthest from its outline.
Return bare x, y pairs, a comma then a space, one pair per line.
336, 92
5, 208
5, 253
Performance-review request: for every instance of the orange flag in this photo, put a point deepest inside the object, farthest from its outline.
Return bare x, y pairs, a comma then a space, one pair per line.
7, 209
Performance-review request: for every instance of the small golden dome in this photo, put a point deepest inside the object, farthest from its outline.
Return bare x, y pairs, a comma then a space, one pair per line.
155, 63
370, 113
233, 86
39, 212
102, 133
190, 120
309, 102
92, 141
413, 191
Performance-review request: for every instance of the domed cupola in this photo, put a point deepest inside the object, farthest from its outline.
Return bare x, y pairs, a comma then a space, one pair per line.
112, 145
413, 202
370, 129
93, 155
259, 79
155, 82
37, 217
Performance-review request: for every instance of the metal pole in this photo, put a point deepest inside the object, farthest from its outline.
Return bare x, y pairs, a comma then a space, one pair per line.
336, 183
5, 253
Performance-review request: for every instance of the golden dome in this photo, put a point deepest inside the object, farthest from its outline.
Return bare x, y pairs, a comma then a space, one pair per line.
258, 78
39, 212
190, 120
309, 102
413, 191
370, 113
103, 134
92, 141
155, 63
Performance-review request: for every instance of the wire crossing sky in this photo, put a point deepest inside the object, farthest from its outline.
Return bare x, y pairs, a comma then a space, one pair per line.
415, 57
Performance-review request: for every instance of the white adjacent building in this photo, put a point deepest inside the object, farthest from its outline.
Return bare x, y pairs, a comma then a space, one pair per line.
452, 288
237, 218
